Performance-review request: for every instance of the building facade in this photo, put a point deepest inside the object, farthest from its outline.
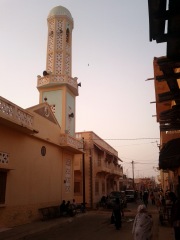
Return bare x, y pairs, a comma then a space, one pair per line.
166, 91
99, 169
164, 28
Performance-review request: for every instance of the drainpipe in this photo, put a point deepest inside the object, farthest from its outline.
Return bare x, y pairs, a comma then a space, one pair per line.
83, 175
91, 180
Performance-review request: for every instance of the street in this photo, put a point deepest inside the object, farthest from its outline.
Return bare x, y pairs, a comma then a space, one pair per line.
93, 225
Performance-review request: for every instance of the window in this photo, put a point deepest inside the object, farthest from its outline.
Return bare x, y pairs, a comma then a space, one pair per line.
67, 35
3, 177
77, 188
99, 160
96, 188
103, 187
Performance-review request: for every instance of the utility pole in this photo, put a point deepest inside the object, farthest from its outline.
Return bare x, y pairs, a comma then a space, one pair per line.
133, 172
83, 175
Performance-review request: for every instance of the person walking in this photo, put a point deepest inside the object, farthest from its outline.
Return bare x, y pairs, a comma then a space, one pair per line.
152, 197
63, 211
117, 213
175, 214
145, 198
142, 226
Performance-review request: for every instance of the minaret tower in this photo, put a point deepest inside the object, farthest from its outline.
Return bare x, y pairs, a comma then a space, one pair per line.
56, 86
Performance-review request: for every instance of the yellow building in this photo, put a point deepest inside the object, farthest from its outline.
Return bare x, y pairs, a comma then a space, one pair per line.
99, 169
38, 144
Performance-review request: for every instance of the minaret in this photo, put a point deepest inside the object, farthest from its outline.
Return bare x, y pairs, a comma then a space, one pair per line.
56, 86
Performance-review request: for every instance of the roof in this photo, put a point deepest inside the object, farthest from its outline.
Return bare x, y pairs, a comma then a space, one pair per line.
164, 25
60, 11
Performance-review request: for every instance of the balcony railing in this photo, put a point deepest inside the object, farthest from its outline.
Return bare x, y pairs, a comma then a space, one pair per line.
110, 168
71, 143
5, 161
12, 112
53, 79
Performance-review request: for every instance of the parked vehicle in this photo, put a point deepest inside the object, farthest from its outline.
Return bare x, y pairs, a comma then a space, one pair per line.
112, 198
130, 195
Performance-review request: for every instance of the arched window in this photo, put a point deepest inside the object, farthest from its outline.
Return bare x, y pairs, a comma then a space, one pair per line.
67, 35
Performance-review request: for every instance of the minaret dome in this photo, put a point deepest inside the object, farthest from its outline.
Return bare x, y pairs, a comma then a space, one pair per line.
60, 11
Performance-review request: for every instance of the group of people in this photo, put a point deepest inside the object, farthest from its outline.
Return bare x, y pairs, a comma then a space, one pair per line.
68, 208
71, 208
156, 198
143, 222
142, 226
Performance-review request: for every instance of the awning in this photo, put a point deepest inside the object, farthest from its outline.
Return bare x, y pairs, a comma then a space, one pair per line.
169, 157
98, 147
120, 160
108, 154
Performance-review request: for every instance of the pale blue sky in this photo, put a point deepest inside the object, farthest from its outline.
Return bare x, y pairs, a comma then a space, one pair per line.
112, 58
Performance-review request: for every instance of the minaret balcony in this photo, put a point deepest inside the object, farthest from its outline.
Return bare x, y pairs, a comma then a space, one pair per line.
52, 80
71, 144
13, 116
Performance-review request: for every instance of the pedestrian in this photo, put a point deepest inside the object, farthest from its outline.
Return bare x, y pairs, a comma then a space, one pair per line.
74, 203
175, 214
142, 226
67, 206
145, 198
140, 195
103, 201
63, 211
152, 197
117, 213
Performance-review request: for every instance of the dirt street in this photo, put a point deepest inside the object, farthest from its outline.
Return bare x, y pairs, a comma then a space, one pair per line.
93, 225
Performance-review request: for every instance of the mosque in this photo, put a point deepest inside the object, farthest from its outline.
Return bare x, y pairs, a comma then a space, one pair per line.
40, 152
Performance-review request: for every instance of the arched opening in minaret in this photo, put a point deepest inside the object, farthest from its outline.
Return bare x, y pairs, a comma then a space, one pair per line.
67, 35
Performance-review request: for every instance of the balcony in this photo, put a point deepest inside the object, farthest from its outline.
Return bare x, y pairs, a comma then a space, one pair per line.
71, 144
13, 116
51, 80
111, 168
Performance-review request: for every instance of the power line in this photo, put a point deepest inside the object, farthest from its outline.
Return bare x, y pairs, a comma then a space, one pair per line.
143, 163
135, 144
138, 162
128, 139
124, 139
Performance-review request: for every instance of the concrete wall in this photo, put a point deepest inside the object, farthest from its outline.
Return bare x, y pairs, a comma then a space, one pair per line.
33, 180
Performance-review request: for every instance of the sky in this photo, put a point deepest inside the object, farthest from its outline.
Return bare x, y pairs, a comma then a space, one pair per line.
111, 56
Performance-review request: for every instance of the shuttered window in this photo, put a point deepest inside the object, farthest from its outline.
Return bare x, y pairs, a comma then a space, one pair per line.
96, 188
77, 187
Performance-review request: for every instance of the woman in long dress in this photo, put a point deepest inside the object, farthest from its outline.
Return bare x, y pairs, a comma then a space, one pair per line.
142, 226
